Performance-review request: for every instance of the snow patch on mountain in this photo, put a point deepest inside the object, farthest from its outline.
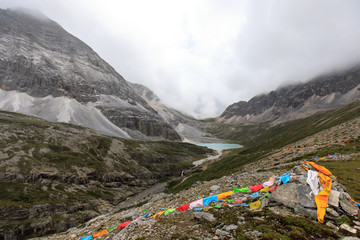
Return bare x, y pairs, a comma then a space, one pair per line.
60, 109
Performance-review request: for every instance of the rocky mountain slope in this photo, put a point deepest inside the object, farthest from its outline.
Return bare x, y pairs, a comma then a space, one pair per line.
54, 176
297, 101
39, 58
289, 212
186, 126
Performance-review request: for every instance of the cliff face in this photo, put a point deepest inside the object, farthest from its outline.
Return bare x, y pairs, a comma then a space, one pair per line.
38, 57
298, 101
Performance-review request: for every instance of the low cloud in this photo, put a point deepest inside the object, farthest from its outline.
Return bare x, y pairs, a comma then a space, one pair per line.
200, 56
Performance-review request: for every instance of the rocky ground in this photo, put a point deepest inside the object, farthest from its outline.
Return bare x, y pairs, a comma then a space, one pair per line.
288, 213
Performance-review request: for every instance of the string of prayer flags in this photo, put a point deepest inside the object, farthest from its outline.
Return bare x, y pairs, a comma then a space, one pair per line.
256, 188
244, 189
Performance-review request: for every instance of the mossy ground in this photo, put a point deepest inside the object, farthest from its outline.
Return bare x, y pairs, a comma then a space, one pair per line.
271, 225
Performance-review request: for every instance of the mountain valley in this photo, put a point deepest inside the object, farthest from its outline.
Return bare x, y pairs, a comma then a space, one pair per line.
82, 150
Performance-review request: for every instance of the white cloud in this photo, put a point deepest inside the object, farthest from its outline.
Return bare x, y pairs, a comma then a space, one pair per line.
200, 56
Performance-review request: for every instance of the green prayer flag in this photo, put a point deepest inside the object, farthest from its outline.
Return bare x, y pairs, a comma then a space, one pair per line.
244, 189
110, 229
231, 200
145, 210
169, 211
217, 206
267, 194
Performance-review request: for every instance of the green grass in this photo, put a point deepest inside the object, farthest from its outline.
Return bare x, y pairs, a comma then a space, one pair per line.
347, 173
272, 226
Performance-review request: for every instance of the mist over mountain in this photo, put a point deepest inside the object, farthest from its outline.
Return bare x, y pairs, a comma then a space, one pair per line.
296, 101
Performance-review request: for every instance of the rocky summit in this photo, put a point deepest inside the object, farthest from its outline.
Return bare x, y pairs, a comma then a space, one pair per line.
325, 92
47, 72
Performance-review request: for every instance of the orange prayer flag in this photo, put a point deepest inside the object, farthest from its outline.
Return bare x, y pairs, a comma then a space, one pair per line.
159, 213
100, 233
322, 197
319, 168
224, 194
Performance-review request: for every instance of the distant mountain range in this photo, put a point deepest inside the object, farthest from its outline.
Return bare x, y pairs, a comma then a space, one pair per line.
297, 101
47, 72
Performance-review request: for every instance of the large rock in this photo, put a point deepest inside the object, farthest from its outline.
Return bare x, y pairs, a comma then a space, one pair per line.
348, 206
204, 216
348, 228
306, 212
305, 196
286, 194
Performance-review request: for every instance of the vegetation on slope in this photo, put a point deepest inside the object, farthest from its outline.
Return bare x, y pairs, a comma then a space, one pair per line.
265, 139
70, 174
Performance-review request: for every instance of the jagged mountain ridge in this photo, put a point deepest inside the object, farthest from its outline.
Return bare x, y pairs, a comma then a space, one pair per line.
38, 57
298, 101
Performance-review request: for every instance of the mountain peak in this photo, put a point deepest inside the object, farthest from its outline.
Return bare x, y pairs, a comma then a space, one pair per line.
41, 59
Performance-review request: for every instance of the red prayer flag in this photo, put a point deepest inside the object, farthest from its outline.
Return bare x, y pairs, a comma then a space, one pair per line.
123, 225
183, 207
237, 201
256, 188
272, 188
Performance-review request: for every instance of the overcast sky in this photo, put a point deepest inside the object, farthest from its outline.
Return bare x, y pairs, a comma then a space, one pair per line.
199, 56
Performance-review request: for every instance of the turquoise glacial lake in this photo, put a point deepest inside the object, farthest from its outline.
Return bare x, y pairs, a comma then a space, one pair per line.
219, 146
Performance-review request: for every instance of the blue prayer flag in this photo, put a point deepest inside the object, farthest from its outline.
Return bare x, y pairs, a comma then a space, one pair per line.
208, 200
86, 238
255, 194
285, 178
